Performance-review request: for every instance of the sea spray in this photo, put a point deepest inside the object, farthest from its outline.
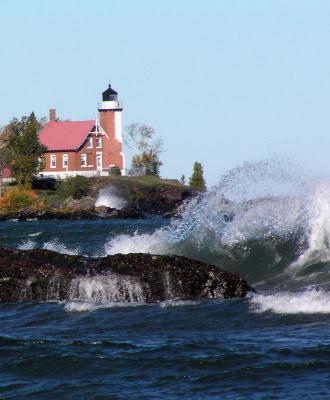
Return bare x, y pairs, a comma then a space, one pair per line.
263, 219
109, 197
107, 288
56, 245
311, 301
27, 245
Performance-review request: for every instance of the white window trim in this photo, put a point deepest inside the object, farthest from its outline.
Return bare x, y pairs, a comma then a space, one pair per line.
83, 157
89, 142
99, 138
99, 153
65, 156
52, 158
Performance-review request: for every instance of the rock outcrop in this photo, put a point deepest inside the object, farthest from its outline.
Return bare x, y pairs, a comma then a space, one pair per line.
73, 214
42, 275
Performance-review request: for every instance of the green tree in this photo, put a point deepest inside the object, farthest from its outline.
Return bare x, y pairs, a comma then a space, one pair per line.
196, 180
23, 153
183, 180
141, 138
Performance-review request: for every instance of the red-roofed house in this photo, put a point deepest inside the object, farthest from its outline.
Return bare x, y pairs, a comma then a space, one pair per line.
85, 147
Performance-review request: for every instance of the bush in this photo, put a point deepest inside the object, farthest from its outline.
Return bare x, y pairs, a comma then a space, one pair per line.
18, 198
114, 171
75, 187
41, 183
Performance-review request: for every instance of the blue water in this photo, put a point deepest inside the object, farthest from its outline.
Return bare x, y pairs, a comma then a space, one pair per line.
221, 349
211, 350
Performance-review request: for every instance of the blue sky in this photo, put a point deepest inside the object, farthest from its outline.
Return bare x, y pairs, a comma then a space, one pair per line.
221, 81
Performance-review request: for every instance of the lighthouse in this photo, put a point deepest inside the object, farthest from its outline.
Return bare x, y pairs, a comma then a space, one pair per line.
110, 110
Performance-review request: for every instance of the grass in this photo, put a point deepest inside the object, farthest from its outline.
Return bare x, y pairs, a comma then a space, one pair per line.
147, 180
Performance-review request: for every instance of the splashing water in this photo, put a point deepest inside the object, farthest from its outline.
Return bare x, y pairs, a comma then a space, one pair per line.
262, 219
107, 288
307, 302
109, 197
55, 245
27, 245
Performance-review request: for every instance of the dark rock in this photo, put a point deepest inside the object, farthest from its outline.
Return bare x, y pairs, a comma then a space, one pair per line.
171, 214
103, 210
162, 200
41, 275
125, 213
131, 212
75, 214
28, 214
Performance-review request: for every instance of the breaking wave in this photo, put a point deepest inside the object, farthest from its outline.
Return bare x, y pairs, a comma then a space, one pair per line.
263, 220
53, 245
308, 302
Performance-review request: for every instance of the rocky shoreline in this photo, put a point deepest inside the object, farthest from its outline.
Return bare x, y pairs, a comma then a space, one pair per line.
43, 275
142, 198
72, 214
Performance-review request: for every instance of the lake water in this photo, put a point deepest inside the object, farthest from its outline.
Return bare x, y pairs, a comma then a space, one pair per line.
274, 231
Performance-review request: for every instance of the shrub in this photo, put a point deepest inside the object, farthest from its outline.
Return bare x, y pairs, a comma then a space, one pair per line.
41, 183
75, 187
114, 171
18, 198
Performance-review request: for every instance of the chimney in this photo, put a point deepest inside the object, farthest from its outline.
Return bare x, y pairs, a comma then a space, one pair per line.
52, 114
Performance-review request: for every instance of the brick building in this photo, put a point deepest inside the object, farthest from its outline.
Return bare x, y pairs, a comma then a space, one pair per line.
85, 147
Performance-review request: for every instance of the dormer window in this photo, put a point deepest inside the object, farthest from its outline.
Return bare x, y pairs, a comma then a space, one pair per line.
90, 142
99, 142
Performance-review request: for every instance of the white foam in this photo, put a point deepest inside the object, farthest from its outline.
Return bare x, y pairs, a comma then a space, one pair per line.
27, 245
55, 245
266, 202
138, 243
307, 302
83, 306
107, 288
35, 234
109, 197
178, 303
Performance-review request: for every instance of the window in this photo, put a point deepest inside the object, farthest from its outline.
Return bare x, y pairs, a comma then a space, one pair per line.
98, 142
52, 161
65, 161
83, 160
99, 160
90, 142
41, 162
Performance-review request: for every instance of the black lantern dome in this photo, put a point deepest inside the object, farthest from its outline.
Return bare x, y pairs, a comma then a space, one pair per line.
109, 94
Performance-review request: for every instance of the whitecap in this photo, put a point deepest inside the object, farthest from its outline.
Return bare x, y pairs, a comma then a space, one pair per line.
138, 243
312, 301
83, 306
55, 245
27, 245
178, 303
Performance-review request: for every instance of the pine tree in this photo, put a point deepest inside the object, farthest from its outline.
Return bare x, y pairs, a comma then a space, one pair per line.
22, 149
183, 180
196, 180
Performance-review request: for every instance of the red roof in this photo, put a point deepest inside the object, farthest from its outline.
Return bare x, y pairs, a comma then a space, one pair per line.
67, 135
